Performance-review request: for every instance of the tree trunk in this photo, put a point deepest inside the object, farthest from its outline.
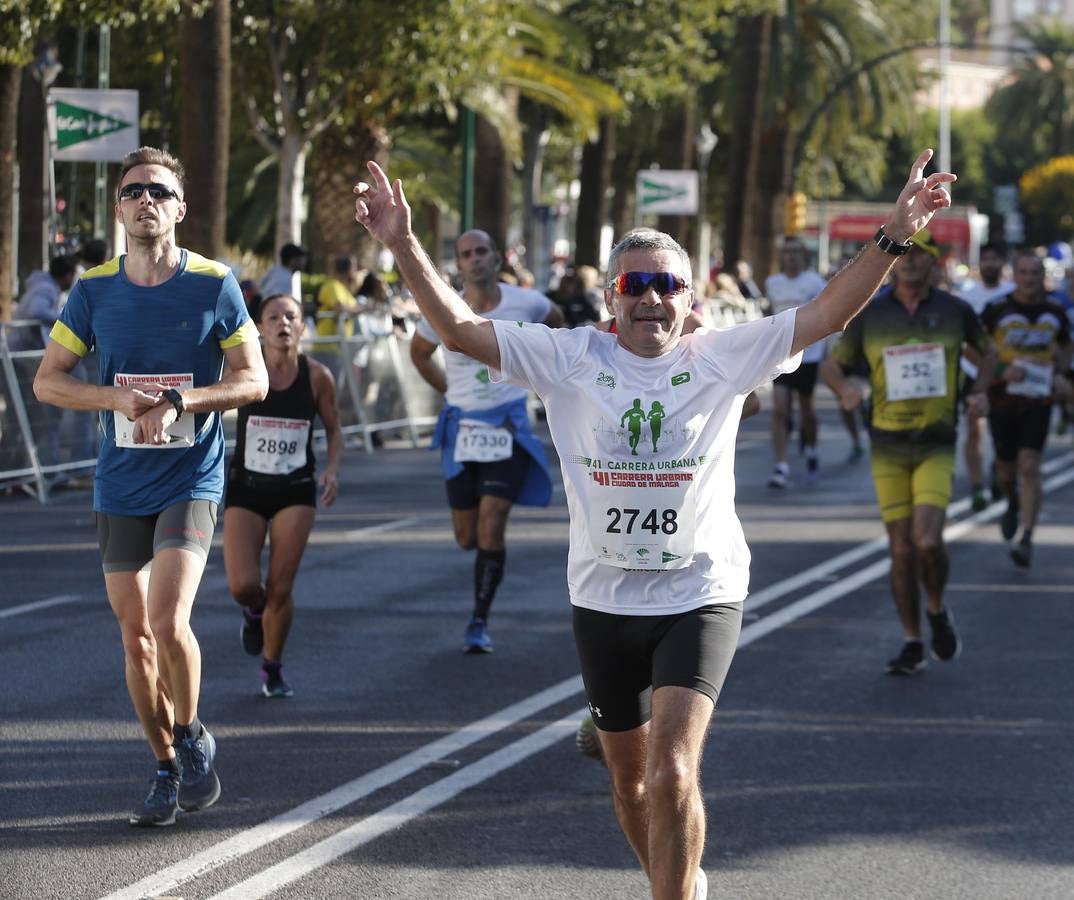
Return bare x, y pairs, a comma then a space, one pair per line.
205, 124
10, 78
492, 183
677, 152
595, 176
536, 137
625, 165
749, 76
33, 189
290, 189
768, 208
338, 162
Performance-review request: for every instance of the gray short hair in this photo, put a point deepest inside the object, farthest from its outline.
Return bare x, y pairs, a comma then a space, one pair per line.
648, 239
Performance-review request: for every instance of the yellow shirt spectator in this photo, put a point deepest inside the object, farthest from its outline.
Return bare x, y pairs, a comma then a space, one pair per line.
333, 299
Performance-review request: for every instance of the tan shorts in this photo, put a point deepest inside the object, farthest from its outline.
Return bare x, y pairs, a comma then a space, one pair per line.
129, 543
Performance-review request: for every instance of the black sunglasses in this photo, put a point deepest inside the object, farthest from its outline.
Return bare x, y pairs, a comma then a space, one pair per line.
635, 284
158, 192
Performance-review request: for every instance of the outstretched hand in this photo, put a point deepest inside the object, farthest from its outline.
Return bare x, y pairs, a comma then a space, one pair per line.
919, 200
382, 208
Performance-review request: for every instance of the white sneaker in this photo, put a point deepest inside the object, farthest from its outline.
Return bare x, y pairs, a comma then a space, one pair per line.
778, 478
701, 885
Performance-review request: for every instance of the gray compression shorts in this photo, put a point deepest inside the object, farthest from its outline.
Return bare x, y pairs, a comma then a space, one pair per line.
625, 658
129, 543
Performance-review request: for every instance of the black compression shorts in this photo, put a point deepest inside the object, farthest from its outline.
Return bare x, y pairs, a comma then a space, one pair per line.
802, 380
128, 543
267, 501
497, 479
625, 658
1016, 427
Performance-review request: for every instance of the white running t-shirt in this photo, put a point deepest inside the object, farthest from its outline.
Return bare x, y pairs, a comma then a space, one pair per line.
647, 450
789, 293
468, 384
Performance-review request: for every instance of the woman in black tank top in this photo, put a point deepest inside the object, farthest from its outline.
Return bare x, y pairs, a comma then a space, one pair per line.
272, 488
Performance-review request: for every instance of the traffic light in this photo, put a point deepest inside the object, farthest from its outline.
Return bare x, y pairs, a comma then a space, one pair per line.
795, 216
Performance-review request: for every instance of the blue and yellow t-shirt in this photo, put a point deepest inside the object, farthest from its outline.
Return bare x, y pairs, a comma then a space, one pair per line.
180, 327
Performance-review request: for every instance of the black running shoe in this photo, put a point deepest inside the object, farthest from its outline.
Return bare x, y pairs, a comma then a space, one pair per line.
1008, 523
945, 642
252, 635
1022, 553
198, 785
910, 660
273, 685
160, 807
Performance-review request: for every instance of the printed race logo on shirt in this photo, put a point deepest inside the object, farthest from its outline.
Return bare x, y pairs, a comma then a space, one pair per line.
180, 433
681, 378
635, 416
605, 380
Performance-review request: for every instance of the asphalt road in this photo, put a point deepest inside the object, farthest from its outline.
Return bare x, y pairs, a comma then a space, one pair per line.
403, 768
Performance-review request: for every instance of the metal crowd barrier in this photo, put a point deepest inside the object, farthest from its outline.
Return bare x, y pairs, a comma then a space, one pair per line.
378, 391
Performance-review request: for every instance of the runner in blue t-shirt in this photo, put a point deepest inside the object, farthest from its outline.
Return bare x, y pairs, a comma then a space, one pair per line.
162, 321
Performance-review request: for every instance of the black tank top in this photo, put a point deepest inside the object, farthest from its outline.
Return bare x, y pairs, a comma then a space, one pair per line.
273, 442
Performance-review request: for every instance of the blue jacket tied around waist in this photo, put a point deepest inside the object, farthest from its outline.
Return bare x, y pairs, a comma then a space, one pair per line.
537, 488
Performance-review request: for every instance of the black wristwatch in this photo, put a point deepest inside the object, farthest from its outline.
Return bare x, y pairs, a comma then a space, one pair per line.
175, 399
894, 248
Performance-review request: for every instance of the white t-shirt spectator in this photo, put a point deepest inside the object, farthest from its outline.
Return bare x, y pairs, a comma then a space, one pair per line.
789, 293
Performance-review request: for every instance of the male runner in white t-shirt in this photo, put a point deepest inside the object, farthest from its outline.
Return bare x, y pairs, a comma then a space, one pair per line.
489, 455
658, 567
978, 294
789, 289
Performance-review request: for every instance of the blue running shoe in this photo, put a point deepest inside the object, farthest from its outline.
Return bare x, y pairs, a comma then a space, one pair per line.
161, 805
199, 787
477, 638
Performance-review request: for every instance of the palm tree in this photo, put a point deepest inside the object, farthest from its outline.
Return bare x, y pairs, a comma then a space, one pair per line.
205, 121
1038, 100
544, 63
813, 48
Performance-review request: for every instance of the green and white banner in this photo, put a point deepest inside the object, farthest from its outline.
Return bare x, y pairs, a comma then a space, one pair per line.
92, 126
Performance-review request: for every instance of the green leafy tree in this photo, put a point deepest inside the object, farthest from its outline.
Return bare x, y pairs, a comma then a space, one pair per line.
662, 61
22, 25
19, 25
304, 67
1047, 194
809, 52
1038, 102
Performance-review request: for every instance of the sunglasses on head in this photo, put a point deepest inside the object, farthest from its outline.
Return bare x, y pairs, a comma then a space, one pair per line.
635, 284
135, 189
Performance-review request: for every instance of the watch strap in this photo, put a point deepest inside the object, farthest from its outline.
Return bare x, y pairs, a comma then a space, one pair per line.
888, 245
175, 399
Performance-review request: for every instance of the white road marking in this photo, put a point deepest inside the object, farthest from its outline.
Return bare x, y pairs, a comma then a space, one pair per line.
39, 604
862, 551
403, 811
247, 841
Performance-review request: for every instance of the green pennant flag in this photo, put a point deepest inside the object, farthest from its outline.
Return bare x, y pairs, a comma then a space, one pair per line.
75, 124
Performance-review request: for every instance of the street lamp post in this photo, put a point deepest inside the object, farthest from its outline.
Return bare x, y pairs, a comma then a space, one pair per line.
45, 69
705, 143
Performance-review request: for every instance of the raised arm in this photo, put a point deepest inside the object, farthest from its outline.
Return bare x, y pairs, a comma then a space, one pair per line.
851, 289
382, 208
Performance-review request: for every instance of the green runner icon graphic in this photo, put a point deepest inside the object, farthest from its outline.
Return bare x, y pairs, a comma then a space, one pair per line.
633, 418
656, 417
